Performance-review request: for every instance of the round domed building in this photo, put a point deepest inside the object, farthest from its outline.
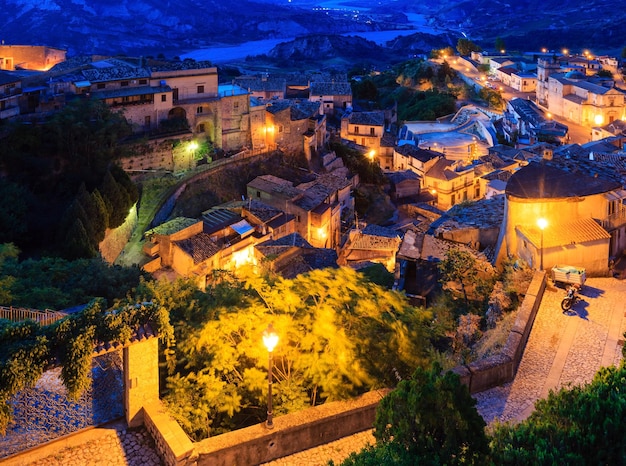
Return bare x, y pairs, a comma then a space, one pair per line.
563, 216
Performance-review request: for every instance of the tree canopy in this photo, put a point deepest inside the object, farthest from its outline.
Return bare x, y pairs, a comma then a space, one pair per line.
52, 168
339, 335
429, 419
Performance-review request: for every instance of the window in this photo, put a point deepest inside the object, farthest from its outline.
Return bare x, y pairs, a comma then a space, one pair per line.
201, 128
356, 130
143, 82
101, 85
452, 200
235, 105
163, 97
280, 128
200, 89
124, 83
372, 131
199, 109
146, 122
258, 194
125, 99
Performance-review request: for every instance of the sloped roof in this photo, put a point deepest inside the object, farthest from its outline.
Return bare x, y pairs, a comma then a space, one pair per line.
275, 185
566, 233
330, 88
367, 118
543, 181
423, 155
8, 78
200, 247
442, 170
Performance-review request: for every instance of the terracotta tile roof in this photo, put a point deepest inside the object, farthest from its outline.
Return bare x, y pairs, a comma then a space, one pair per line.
566, 233
330, 88
200, 247
275, 185
442, 170
367, 118
423, 155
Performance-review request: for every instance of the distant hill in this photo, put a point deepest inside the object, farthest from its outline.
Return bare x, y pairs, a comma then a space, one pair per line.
171, 27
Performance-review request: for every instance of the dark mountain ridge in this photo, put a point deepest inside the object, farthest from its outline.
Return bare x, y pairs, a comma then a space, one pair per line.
151, 27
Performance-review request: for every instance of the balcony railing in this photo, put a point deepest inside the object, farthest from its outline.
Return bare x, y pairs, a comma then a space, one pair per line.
615, 220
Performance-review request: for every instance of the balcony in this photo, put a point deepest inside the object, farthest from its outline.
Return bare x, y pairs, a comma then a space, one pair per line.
615, 220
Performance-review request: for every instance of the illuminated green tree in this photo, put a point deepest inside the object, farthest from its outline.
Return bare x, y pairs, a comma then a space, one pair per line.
340, 335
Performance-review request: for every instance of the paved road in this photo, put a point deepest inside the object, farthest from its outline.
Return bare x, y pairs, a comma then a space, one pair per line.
563, 349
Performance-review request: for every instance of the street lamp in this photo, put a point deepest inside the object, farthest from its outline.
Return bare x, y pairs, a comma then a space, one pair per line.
270, 340
542, 223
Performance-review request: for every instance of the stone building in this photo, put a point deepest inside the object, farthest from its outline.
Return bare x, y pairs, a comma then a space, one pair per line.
584, 214
296, 126
565, 90
364, 128
29, 57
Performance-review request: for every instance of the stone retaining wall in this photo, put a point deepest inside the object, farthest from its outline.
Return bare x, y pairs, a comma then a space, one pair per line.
172, 444
292, 433
257, 444
501, 368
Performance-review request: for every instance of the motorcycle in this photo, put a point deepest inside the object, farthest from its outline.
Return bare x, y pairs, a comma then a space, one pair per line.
571, 298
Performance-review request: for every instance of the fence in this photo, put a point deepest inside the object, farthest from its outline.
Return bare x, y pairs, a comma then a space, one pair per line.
19, 314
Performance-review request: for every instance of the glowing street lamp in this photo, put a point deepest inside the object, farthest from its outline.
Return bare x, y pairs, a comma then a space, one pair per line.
270, 340
542, 223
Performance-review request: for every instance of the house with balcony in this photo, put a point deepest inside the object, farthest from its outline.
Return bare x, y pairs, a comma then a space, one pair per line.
452, 182
333, 96
583, 209
10, 92
364, 128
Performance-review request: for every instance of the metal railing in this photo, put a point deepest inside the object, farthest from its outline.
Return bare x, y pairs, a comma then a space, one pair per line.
20, 314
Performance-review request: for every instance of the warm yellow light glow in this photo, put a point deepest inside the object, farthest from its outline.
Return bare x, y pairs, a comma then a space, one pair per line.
565, 52
321, 233
270, 338
242, 257
542, 223
544, 50
371, 154
598, 119
433, 191
269, 129
502, 51
549, 115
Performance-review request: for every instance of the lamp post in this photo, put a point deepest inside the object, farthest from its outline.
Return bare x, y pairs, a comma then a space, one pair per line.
270, 340
542, 223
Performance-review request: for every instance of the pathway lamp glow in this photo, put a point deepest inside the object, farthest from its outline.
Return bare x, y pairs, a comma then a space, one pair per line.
270, 340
